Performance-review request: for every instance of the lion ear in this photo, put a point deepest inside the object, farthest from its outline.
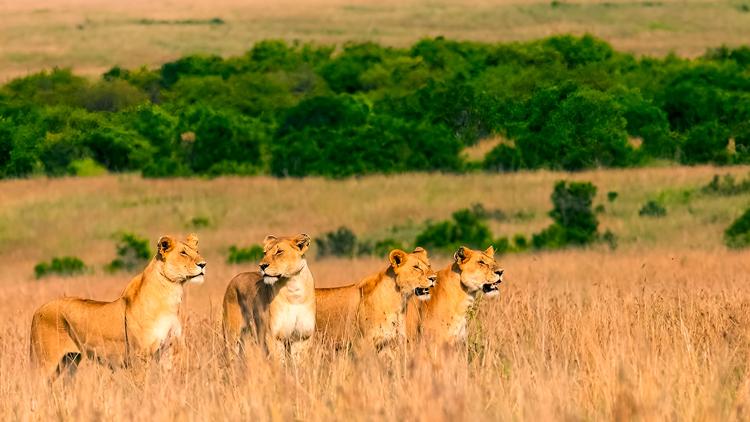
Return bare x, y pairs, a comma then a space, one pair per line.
462, 255
268, 240
164, 245
192, 241
302, 242
490, 251
420, 251
397, 257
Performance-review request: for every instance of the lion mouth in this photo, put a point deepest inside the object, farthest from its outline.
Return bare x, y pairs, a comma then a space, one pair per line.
422, 292
491, 287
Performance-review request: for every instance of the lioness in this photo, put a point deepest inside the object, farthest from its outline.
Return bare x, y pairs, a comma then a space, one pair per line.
377, 303
275, 305
142, 323
443, 318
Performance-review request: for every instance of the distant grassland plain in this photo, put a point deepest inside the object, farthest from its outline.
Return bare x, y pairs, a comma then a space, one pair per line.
656, 329
91, 36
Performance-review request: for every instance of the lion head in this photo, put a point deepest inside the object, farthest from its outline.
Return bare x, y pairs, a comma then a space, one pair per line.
479, 270
283, 257
413, 272
181, 260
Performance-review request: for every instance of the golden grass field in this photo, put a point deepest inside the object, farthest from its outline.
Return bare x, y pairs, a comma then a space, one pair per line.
655, 330
91, 36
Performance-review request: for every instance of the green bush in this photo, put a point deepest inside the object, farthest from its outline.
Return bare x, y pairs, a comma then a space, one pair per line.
133, 252
652, 209
503, 158
237, 255
737, 235
726, 186
340, 242
575, 222
464, 229
63, 266
199, 222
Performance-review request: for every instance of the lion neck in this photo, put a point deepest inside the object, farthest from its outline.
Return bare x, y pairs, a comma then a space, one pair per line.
381, 296
450, 294
152, 293
298, 287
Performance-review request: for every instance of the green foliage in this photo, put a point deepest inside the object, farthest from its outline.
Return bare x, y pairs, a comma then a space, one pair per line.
574, 128
466, 228
612, 196
341, 242
726, 186
199, 222
237, 255
737, 235
133, 252
575, 222
63, 266
297, 109
652, 209
504, 158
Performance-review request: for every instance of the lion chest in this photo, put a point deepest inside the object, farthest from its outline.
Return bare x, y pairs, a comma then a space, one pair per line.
389, 329
457, 328
293, 321
162, 330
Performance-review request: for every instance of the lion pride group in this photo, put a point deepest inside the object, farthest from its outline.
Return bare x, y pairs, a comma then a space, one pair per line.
278, 307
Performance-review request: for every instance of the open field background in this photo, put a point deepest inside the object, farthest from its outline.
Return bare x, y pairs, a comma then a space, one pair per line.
91, 36
657, 329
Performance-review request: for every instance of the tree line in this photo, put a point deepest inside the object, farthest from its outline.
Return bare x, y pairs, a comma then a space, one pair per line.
297, 109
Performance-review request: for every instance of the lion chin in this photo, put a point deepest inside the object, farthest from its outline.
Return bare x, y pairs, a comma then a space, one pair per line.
270, 279
197, 279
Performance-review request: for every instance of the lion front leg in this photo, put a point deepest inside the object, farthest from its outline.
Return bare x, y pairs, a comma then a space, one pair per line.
276, 350
300, 350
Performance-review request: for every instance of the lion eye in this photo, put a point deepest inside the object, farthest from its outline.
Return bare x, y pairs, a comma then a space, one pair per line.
279, 252
183, 253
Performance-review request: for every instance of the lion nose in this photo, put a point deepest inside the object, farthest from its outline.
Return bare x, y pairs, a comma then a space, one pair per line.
202, 264
499, 273
263, 266
432, 278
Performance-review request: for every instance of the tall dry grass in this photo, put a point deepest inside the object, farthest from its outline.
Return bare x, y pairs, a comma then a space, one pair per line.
574, 335
655, 330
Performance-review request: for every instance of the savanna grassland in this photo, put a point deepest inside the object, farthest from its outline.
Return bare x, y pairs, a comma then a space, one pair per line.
655, 329
91, 36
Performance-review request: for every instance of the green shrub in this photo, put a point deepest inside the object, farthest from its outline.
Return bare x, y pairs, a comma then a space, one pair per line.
464, 229
520, 242
133, 252
652, 209
340, 242
488, 214
199, 222
63, 266
252, 253
86, 167
575, 222
737, 235
726, 186
612, 195
503, 158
